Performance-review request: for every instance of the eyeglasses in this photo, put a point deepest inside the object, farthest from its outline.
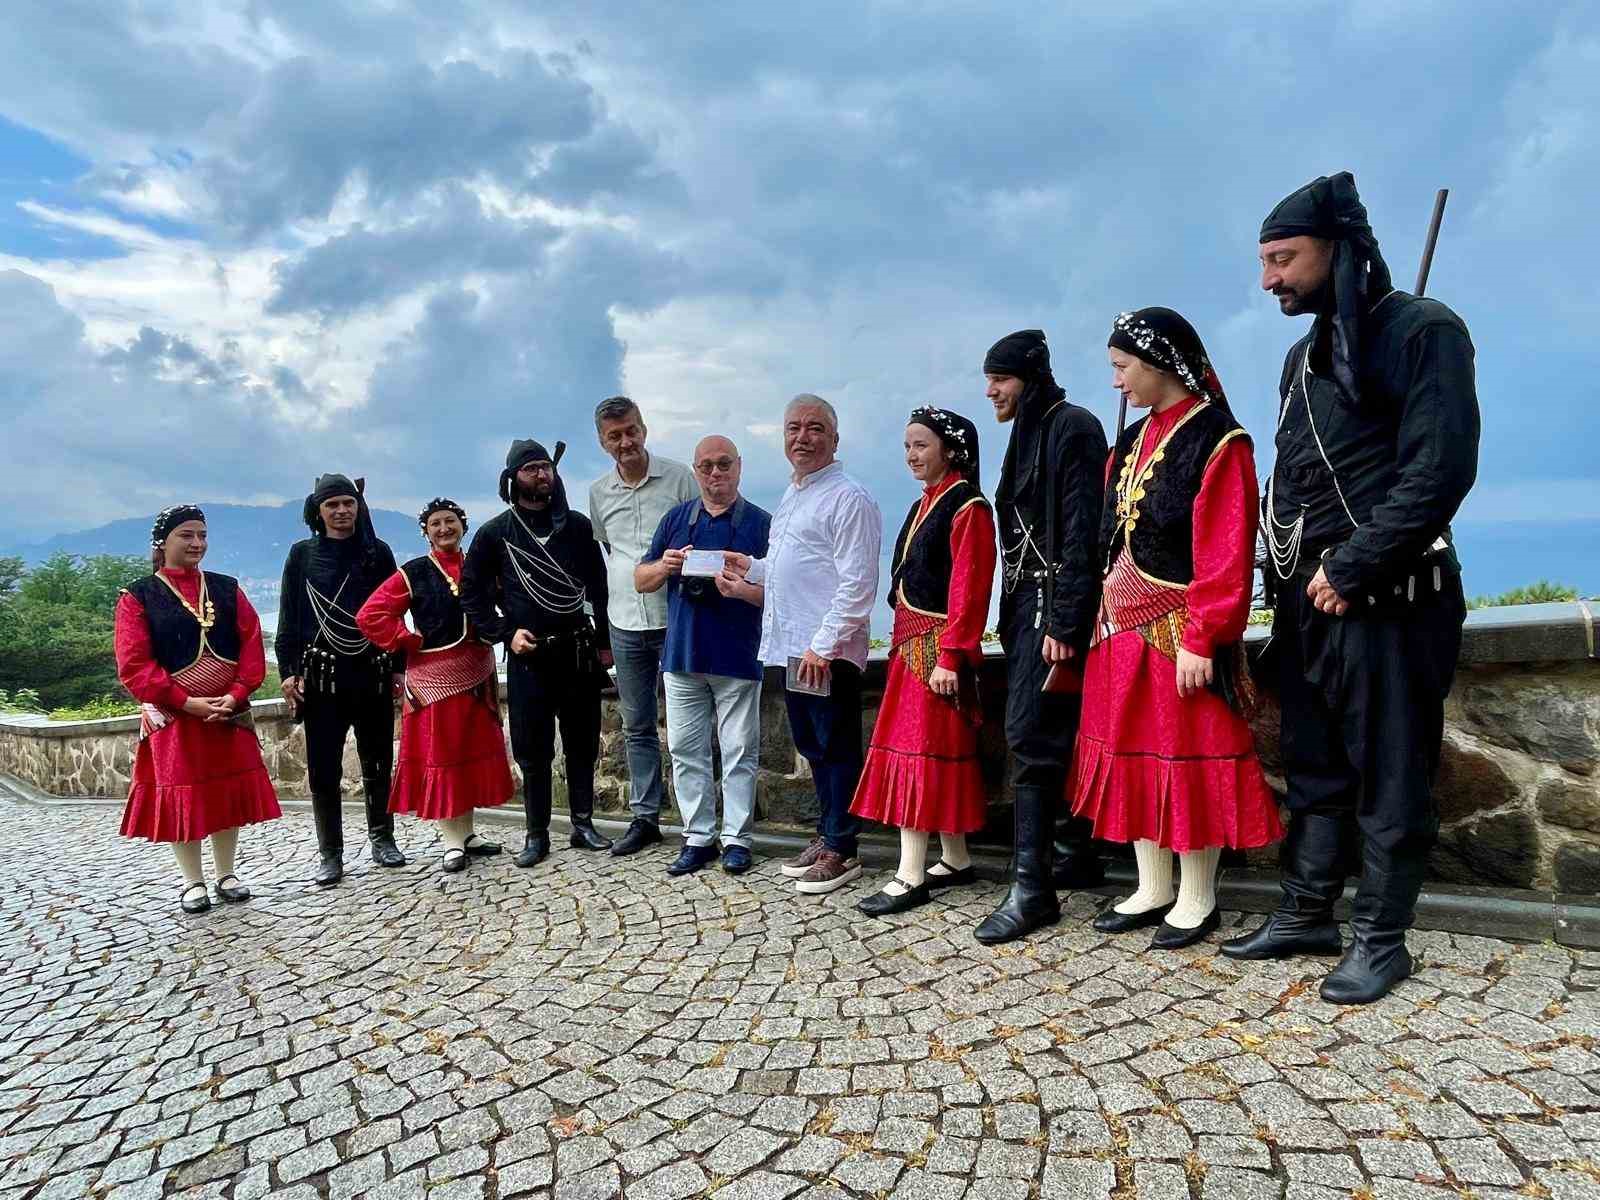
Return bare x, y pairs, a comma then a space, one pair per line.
711, 465
538, 468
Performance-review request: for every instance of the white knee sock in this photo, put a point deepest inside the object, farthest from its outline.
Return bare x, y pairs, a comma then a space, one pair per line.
953, 849
1155, 879
455, 830
224, 848
913, 862
1197, 887
188, 856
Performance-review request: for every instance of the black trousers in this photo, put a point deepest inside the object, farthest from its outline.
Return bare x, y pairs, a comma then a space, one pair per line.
1363, 706
1041, 730
362, 704
538, 697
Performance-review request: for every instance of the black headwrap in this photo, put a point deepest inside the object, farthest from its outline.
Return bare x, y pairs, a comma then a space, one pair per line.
1022, 354
327, 487
1165, 340
1025, 355
524, 451
959, 435
1330, 207
441, 504
169, 519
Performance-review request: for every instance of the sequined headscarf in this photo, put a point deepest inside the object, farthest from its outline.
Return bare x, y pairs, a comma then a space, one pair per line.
959, 435
1165, 340
169, 519
441, 504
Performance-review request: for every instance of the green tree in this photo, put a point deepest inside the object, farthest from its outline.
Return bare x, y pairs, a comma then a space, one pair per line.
56, 624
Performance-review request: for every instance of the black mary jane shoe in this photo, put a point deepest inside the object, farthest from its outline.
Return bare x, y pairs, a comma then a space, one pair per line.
454, 860
237, 894
1173, 937
886, 904
950, 877
1109, 920
201, 903
480, 848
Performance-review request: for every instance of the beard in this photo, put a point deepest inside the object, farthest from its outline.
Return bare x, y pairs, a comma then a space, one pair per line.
1295, 304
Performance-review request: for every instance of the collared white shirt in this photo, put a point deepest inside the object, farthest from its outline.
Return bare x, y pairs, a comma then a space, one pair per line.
821, 570
625, 516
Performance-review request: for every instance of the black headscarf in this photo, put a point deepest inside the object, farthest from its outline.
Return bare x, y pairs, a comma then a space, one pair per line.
524, 451
441, 504
1165, 340
327, 487
959, 435
1025, 355
169, 519
1331, 208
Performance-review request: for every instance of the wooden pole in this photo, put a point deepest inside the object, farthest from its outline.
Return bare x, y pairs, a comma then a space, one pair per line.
1433, 240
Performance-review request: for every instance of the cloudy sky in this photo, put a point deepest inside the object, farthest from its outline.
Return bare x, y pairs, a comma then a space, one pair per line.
245, 242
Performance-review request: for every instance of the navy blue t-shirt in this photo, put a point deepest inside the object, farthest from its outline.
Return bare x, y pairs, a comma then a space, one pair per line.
717, 634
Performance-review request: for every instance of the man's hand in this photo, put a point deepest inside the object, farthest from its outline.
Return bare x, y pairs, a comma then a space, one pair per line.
1324, 597
732, 586
944, 682
523, 642
814, 669
672, 560
1055, 651
294, 690
1194, 673
736, 564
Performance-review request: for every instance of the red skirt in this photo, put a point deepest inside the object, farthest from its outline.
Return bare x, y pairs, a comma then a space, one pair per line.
1153, 766
452, 759
192, 778
922, 769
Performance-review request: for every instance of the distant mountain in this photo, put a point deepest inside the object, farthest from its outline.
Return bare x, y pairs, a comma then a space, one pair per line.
248, 541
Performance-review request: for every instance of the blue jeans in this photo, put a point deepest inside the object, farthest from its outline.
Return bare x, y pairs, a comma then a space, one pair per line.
638, 655
827, 733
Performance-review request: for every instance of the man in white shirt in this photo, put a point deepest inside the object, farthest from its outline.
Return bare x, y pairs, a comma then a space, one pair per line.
821, 581
626, 505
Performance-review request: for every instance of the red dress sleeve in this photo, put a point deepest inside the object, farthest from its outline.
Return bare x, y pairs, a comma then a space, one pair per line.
147, 680
382, 619
252, 654
1224, 550
972, 555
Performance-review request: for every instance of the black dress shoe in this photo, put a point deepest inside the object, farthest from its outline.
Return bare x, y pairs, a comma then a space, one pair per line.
534, 851
586, 837
194, 899
640, 834
1109, 920
478, 847
454, 860
949, 877
1175, 937
886, 904
386, 854
236, 894
329, 871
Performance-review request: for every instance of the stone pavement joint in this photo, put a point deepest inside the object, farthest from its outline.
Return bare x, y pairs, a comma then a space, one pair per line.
592, 1029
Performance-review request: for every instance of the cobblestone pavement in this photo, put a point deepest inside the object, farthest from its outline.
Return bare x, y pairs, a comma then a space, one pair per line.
590, 1028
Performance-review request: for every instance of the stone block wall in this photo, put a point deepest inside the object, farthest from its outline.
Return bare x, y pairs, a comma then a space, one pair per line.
1518, 790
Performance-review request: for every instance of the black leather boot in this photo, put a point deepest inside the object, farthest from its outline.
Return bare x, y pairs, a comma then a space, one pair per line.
536, 810
380, 822
580, 806
327, 813
1031, 903
1077, 860
1385, 905
1315, 857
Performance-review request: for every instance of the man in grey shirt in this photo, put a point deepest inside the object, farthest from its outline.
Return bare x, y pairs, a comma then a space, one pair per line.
626, 505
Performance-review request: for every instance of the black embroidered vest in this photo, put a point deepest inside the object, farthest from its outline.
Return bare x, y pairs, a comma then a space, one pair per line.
175, 635
1151, 511
922, 559
435, 609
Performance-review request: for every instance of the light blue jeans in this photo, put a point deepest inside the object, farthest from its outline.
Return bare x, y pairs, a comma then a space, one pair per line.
638, 656
695, 705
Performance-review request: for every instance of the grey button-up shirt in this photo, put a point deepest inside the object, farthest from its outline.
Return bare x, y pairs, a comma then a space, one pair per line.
625, 517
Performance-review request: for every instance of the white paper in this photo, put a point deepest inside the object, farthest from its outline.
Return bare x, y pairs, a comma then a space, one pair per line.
703, 564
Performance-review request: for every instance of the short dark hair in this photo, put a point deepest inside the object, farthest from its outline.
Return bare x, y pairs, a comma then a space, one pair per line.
616, 408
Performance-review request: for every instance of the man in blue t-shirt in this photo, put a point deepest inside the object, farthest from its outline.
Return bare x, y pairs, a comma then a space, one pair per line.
709, 663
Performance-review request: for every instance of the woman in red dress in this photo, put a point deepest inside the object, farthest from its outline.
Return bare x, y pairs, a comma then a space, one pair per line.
922, 773
452, 751
1165, 759
189, 650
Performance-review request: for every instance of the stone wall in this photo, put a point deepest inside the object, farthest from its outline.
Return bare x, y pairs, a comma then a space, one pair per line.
1518, 792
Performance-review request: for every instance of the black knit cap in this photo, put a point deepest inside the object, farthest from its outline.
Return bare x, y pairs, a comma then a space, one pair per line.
1023, 354
169, 519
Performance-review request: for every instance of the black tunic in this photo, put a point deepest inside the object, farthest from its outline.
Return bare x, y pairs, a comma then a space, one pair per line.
327, 564
492, 593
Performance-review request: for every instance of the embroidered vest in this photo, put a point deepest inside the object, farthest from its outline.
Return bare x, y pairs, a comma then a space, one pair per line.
175, 636
435, 609
922, 559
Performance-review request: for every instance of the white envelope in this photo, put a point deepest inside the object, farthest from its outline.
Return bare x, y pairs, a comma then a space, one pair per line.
703, 564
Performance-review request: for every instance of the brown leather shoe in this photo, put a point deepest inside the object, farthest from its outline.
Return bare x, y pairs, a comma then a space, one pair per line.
804, 861
831, 870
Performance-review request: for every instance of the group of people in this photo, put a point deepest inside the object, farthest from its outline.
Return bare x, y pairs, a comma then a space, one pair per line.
1126, 574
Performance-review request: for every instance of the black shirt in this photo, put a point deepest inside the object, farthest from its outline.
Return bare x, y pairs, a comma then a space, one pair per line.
326, 563
492, 590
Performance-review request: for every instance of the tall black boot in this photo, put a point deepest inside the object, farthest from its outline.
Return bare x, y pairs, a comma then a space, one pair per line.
1077, 859
1385, 905
536, 810
380, 821
580, 807
327, 813
1031, 903
1315, 857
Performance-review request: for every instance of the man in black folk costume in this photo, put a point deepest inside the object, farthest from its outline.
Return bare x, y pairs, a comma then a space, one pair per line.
1377, 447
335, 679
534, 580
1048, 510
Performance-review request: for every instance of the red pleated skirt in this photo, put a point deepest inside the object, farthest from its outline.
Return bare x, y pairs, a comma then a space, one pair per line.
192, 778
1151, 765
922, 769
452, 759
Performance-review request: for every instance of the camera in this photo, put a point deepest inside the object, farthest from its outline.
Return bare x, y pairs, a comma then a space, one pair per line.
697, 589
